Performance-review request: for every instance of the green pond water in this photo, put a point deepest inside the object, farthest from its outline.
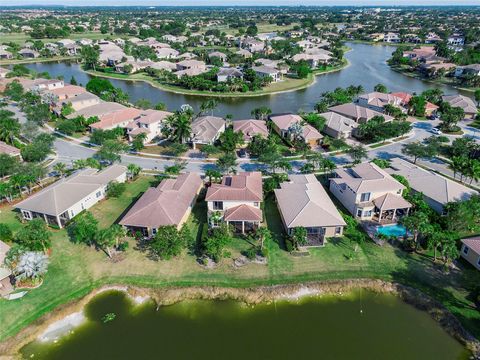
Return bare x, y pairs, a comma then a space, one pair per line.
361, 326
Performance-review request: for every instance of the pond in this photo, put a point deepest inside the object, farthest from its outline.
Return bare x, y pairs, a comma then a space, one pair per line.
368, 67
362, 325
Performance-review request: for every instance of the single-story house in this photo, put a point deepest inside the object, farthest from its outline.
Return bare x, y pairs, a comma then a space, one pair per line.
359, 114
227, 74
99, 109
170, 203
250, 127
463, 102
206, 130
116, 119
303, 202
236, 201
29, 53
67, 92
82, 101
430, 108
377, 100
218, 54
437, 190
473, 69
4, 54
470, 250
166, 53
63, 200
338, 126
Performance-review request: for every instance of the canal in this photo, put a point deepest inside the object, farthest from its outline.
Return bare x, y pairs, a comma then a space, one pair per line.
367, 67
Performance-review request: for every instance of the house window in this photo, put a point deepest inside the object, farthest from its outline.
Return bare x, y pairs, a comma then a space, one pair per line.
218, 205
256, 204
368, 213
99, 194
338, 230
359, 212
465, 249
365, 197
26, 215
154, 231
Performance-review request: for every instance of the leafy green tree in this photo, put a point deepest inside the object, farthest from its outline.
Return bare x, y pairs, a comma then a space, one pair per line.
83, 229
380, 88
99, 86
34, 236
67, 109
138, 142
8, 164
6, 233
14, 91
299, 236
417, 106
38, 149
214, 244
357, 153
230, 140
418, 223
143, 104
116, 189
111, 150
167, 243
450, 116
90, 56
9, 127
477, 96
417, 150
227, 162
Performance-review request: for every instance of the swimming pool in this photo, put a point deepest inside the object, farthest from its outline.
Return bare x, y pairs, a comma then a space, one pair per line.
392, 230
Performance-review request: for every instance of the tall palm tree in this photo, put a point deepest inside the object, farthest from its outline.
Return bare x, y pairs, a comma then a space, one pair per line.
209, 105
178, 126
9, 129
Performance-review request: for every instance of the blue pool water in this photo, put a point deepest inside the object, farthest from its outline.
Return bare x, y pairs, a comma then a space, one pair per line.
392, 230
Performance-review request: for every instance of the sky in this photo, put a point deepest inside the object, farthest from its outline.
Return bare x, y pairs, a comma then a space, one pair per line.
240, 2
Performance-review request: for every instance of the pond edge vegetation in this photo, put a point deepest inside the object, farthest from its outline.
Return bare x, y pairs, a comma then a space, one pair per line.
169, 295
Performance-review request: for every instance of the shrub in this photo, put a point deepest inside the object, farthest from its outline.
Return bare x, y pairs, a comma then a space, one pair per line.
116, 189
5, 232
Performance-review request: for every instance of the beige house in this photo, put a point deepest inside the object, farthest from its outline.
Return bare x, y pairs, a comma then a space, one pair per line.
470, 251
63, 200
437, 190
82, 101
115, 119
236, 201
206, 130
170, 203
338, 126
284, 125
377, 100
150, 123
369, 193
463, 102
359, 114
303, 202
250, 127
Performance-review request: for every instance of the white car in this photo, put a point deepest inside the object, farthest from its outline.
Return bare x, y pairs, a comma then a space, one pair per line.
436, 131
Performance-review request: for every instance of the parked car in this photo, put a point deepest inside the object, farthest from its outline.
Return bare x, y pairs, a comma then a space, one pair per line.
436, 131
242, 153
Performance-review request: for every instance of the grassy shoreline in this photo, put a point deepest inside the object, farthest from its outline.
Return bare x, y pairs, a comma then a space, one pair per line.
272, 89
38, 60
409, 74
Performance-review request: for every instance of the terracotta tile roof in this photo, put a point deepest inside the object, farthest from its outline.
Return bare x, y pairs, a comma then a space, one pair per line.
243, 213
166, 204
241, 187
250, 128
116, 118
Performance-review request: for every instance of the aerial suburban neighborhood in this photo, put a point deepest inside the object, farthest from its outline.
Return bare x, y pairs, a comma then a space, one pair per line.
205, 157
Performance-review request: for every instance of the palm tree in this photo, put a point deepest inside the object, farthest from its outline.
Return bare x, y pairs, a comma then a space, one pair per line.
209, 105
61, 168
9, 130
31, 265
178, 126
133, 169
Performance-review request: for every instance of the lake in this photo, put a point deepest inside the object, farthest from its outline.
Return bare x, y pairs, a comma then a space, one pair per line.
368, 67
362, 325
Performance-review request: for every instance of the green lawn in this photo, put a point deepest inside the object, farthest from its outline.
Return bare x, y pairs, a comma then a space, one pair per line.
21, 38
75, 270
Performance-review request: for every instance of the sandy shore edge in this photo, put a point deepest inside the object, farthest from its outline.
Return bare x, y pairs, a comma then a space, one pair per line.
71, 314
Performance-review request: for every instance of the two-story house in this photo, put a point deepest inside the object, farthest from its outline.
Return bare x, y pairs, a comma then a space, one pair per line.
369, 193
150, 123
236, 201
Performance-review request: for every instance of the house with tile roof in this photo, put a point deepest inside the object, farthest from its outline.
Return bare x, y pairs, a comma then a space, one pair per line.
237, 201
377, 100
436, 189
284, 125
62, 201
463, 102
470, 251
338, 126
206, 130
116, 119
359, 114
150, 123
170, 203
251, 127
369, 193
303, 202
